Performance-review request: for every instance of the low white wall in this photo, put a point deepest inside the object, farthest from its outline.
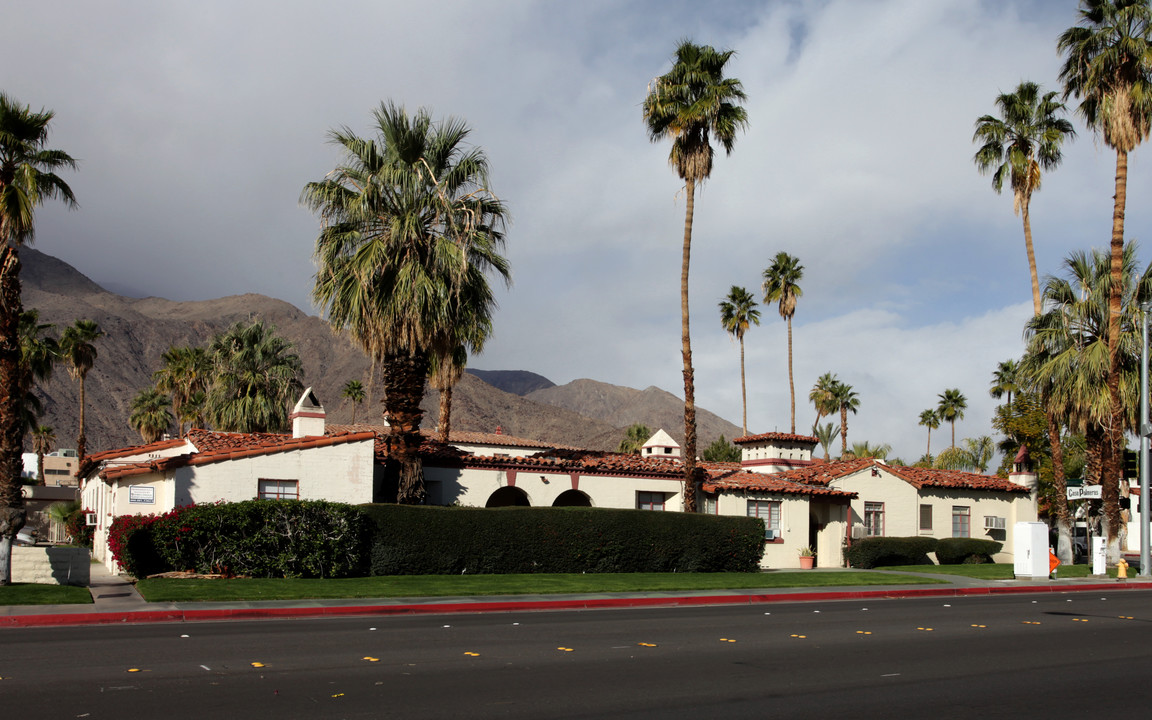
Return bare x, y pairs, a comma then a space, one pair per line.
51, 565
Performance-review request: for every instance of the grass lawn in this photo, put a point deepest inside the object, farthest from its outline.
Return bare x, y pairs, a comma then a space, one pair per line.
997, 571
32, 594
176, 590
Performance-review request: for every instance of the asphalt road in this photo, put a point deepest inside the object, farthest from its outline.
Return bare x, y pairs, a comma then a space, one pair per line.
1057, 656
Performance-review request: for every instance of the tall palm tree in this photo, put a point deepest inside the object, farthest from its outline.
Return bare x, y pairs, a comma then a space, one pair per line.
444, 371
951, 408
185, 375
80, 354
256, 377
1067, 358
823, 396
1005, 380
1108, 67
27, 179
692, 104
931, 420
846, 400
1016, 146
410, 230
782, 286
43, 440
39, 353
151, 414
825, 435
737, 313
354, 392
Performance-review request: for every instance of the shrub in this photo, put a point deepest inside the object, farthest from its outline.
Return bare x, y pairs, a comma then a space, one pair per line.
956, 551
260, 538
443, 540
876, 551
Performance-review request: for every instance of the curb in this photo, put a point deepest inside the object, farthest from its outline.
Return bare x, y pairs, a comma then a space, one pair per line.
455, 608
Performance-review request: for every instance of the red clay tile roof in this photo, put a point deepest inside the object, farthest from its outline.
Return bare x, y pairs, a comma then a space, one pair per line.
782, 437
93, 460
216, 447
917, 477
586, 462
768, 482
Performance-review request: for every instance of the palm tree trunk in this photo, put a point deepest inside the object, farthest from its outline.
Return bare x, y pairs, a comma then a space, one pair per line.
928, 451
843, 432
1060, 488
404, 376
81, 440
743, 387
791, 385
1037, 307
953, 423
445, 414
1110, 472
686, 353
12, 514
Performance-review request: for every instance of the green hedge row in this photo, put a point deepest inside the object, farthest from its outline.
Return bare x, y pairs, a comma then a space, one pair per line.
414, 540
955, 551
259, 538
876, 551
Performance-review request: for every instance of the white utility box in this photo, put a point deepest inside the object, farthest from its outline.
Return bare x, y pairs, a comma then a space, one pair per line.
1030, 549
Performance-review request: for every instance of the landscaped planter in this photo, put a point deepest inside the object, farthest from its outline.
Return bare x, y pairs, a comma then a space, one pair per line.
807, 562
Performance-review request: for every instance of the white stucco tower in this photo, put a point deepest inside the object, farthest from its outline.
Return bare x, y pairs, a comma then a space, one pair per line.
660, 445
308, 416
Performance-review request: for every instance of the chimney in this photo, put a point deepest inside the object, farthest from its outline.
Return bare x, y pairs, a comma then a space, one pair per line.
499, 430
308, 416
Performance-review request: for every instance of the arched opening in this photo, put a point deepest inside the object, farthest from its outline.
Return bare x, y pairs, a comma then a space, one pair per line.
508, 496
572, 498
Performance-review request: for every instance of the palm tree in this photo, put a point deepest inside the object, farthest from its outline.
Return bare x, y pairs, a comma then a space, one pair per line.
737, 313
355, 393
1005, 380
151, 414
868, 450
1067, 359
256, 377
951, 408
781, 285
410, 229
27, 178
823, 397
846, 399
43, 439
38, 355
634, 438
444, 371
1108, 67
931, 420
1024, 140
185, 375
825, 434
980, 449
692, 104
77, 350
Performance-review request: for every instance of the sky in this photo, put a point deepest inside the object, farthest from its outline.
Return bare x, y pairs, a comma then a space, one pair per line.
197, 125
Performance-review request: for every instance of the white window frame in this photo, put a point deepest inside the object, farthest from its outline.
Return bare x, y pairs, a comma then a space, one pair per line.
874, 519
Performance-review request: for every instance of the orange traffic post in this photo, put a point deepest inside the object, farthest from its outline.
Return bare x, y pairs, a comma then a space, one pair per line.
1053, 563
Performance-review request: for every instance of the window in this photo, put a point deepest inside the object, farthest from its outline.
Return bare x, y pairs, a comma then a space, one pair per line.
649, 500
961, 521
278, 490
769, 512
925, 518
874, 519
710, 505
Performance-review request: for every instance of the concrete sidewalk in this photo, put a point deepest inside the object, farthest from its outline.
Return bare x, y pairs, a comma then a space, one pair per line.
115, 601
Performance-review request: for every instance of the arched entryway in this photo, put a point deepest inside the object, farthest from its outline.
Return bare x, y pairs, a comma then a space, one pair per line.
508, 496
572, 498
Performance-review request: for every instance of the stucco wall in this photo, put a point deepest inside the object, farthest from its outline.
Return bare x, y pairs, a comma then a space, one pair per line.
473, 487
51, 565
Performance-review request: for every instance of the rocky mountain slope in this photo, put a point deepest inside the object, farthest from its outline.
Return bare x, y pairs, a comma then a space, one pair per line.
138, 330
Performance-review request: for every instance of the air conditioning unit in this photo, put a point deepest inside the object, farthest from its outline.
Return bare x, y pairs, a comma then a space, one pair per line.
991, 522
857, 532
90, 519
771, 534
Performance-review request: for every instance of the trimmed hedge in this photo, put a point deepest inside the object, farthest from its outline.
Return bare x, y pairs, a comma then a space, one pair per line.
872, 552
259, 538
422, 540
958, 551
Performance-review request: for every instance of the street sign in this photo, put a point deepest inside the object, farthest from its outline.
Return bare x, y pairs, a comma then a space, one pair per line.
1087, 492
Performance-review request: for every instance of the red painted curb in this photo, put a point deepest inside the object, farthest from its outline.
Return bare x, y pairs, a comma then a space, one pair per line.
453, 608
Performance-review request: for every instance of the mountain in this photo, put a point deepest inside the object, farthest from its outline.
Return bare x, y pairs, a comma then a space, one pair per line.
138, 331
